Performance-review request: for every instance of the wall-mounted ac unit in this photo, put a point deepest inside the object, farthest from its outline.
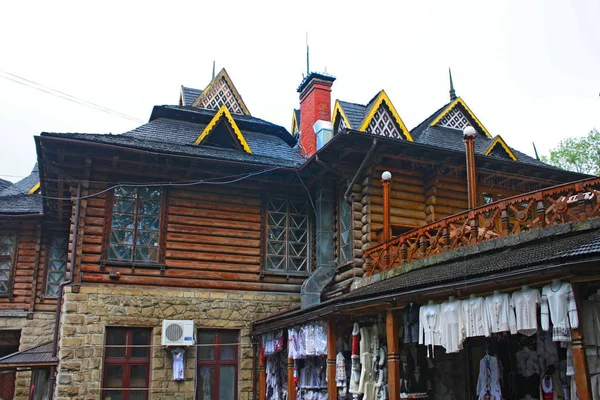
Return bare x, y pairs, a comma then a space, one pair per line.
178, 333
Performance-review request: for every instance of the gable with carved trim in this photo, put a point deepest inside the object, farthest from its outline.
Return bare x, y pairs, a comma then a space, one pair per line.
383, 124
221, 95
455, 119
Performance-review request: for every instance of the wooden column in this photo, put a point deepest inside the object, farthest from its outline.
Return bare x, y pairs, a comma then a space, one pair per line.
331, 357
262, 374
469, 136
582, 377
386, 180
393, 356
290, 380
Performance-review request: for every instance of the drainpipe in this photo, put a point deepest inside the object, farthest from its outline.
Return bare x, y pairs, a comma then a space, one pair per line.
365, 162
386, 180
59, 299
469, 135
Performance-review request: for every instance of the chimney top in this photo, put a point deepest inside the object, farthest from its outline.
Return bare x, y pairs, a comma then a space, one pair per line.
315, 76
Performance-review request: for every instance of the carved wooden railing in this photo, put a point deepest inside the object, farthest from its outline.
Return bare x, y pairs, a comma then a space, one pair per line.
570, 202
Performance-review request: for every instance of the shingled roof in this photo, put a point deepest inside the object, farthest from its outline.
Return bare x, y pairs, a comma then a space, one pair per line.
4, 184
174, 129
15, 199
189, 95
34, 356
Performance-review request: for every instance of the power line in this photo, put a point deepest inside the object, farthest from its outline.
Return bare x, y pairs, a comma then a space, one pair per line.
42, 88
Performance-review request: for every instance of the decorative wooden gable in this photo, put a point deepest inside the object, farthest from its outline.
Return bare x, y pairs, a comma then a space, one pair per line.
458, 116
35, 188
383, 119
222, 131
221, 92
340, 121
499, 149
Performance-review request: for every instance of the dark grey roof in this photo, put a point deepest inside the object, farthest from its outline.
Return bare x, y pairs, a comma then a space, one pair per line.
452, 139
417, 130
189, 95
354, 112
15, 199
512, 258
40, 354
177, 137
4, 184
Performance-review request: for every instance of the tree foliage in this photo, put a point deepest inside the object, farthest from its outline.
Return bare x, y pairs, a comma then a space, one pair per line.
579, 154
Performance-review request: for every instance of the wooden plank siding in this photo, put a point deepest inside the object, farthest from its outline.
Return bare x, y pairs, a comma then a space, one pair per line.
212, 240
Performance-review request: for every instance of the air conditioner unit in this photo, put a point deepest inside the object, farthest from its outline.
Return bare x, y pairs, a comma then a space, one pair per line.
178, 333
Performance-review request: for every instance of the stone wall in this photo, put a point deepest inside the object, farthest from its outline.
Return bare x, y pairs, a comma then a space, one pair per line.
86, 315
34, 331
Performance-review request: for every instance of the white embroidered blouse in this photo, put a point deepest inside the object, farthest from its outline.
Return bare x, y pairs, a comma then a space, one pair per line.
452, 326
500, 314
429, 325
525, 303
560, 302
475, 317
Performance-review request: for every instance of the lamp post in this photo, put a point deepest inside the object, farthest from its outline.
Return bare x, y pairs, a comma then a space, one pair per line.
469, 134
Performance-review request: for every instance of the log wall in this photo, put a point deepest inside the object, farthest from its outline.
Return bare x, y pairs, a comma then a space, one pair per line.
212, 240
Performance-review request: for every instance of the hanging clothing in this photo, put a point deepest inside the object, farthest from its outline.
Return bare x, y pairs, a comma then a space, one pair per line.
525, 302
411, 323
558, 305
489, 379
475, 317
546, 350
355, 372
452, 326
590, 322
429, 327
527, 362
500, 314
178, 365
340, 370
547, 388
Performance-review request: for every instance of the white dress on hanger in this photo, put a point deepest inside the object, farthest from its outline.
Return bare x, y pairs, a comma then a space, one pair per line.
452, 326
489, 378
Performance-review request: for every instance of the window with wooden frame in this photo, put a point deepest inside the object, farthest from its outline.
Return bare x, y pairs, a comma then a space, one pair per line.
8, 250
126, 373
345, 237
287, 237
56, 263
217, 365
135, 225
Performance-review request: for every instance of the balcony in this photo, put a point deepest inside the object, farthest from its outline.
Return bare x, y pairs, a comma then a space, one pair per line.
575, 201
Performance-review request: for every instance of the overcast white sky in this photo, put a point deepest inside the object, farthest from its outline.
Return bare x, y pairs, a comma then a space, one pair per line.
530, 70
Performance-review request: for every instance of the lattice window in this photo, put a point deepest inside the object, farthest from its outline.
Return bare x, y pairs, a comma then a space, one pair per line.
287, 236
342, 124
346, 241
8, 248
455, 119
383, 124
221, 94
57, 264
135, 224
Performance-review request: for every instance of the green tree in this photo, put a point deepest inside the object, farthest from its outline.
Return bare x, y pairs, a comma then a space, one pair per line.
579, 154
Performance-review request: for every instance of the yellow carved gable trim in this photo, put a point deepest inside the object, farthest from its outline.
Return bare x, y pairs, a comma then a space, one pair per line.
224, 113
223, 74
381, 98
454, 104
498, 140
338, 110
35, 188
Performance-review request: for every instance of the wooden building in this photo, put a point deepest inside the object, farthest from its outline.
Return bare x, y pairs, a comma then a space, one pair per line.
211, 215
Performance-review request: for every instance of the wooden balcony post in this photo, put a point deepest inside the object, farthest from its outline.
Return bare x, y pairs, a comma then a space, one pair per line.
386, 180
290, 380
393, 356
262, 374
331, 358
582, 378
469, 134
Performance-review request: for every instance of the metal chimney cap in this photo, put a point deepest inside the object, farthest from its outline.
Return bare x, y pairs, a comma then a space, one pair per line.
469, 131
386, 176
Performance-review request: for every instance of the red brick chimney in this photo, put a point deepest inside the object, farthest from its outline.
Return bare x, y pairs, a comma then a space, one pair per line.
315, 104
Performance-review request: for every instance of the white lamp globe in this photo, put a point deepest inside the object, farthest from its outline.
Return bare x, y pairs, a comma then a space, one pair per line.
386, 176
469, 131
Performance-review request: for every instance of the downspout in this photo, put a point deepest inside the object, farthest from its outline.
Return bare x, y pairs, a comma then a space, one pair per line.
59, 299
310, 293
359, 172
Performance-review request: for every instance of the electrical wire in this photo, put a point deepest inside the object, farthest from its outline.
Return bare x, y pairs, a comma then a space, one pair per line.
38, 86
209, 181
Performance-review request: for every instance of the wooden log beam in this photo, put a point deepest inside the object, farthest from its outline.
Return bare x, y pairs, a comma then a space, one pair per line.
331, 358
393, 356
291, 395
